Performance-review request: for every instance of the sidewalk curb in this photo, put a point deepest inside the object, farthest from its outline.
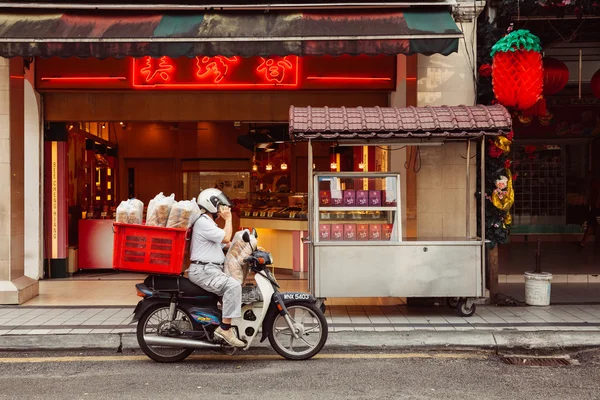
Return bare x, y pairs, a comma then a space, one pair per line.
497, 341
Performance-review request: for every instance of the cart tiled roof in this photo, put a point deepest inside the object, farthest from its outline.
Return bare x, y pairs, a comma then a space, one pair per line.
392, 123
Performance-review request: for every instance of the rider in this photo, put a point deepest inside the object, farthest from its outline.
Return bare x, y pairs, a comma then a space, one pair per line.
207, 259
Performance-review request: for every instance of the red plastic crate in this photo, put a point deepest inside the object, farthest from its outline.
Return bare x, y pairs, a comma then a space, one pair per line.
149, 249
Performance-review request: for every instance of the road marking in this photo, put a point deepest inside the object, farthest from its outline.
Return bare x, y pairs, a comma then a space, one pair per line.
246, 357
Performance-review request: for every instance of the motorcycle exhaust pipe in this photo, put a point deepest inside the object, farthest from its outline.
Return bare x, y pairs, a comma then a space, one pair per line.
176, 342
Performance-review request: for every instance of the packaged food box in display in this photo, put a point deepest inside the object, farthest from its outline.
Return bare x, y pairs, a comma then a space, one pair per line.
362, 232
374, 232
349, 198
337, 198
324, 198
389, 198
375, 198
349, 231
362, 198
325, 232
386, 231
337, 232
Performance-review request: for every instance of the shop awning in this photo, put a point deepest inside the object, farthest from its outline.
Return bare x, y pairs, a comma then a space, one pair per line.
256, 33
396, 123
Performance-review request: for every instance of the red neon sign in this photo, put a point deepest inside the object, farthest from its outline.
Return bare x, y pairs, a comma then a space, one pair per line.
157, 70
274, 70
216, 67
220, 72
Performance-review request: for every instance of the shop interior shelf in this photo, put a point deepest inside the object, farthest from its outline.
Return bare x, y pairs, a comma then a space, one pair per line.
327, 209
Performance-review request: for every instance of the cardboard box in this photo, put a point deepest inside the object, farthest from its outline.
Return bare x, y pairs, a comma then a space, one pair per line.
325, 232
337, 199
386, 231
375, 198
374, 232
349, 231
337, 232
362, 198
350, 198
362, 232
324, 198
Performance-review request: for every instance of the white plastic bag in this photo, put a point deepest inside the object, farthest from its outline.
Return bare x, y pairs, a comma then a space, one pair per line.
184, 214
130, 212
158, 210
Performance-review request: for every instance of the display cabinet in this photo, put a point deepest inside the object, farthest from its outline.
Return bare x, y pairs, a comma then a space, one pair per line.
358, 208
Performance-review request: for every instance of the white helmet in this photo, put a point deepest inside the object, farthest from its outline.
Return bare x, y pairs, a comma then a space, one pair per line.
211, 199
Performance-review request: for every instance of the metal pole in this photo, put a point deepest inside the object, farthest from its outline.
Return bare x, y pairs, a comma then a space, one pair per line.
468, 213
483, 215
311, 210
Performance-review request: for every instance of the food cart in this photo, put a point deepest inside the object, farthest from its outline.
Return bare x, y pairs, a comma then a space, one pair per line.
356, 248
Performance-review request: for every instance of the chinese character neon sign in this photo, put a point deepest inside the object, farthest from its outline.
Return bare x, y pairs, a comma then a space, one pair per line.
273, 69
157, 70
215, 67
214, 73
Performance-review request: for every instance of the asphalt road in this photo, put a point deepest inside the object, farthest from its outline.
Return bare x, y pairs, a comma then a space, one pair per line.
334, 376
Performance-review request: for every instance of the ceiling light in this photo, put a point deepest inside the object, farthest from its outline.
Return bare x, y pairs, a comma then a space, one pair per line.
254, 167
269, 167
283, 166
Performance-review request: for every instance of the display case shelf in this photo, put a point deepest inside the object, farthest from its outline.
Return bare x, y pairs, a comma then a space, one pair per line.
368, 209
341, 209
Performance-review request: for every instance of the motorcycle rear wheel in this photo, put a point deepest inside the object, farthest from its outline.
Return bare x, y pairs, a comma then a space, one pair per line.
154, 316
313, 325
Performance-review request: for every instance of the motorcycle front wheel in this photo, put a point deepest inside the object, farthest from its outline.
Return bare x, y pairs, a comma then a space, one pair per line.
311, 325
155, 321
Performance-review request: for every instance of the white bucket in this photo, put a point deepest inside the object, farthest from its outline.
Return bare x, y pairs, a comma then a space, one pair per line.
537, 288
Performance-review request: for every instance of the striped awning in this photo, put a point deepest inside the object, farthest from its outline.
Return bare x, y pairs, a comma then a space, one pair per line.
326, 123
106, 34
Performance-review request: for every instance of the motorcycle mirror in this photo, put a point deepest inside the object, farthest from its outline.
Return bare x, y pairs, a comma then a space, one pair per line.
255, 233
246, 237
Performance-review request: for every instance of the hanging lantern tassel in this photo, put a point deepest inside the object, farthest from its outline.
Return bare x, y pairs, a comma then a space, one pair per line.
517, 72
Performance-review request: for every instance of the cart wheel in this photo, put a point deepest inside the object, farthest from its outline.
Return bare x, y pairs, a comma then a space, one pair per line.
465, 308
452, 302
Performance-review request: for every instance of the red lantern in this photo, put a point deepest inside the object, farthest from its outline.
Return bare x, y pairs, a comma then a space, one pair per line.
517, 73
556, 75
595, 83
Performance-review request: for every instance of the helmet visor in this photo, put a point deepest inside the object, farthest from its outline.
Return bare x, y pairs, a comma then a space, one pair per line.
220, 200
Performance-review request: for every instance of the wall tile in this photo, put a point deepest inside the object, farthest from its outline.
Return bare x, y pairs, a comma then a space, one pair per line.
431, 155
4, 151
429, 200
429, 224
429, 177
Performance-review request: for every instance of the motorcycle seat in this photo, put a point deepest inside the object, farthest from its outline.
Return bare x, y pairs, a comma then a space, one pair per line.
180, 284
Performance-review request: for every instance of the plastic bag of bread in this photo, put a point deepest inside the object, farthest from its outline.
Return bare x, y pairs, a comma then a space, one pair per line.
184, 214
130, 212
239, 250
158, 210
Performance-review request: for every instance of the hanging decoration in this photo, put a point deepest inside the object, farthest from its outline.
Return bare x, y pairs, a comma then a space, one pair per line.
517, 72
595, 84
556, 76
499, 189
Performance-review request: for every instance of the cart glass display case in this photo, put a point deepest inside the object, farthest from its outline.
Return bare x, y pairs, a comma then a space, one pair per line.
276, 205
357, 208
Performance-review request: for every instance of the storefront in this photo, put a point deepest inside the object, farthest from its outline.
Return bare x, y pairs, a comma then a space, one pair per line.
165, 102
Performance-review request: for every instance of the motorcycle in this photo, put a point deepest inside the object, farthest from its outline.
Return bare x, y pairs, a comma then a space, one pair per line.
176, 317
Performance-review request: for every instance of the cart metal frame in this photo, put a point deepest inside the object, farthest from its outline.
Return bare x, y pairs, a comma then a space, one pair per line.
454, 269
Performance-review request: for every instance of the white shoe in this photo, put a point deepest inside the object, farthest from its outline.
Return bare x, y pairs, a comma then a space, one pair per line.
229, 336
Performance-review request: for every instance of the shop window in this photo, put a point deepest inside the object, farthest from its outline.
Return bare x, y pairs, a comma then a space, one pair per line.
550, 189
